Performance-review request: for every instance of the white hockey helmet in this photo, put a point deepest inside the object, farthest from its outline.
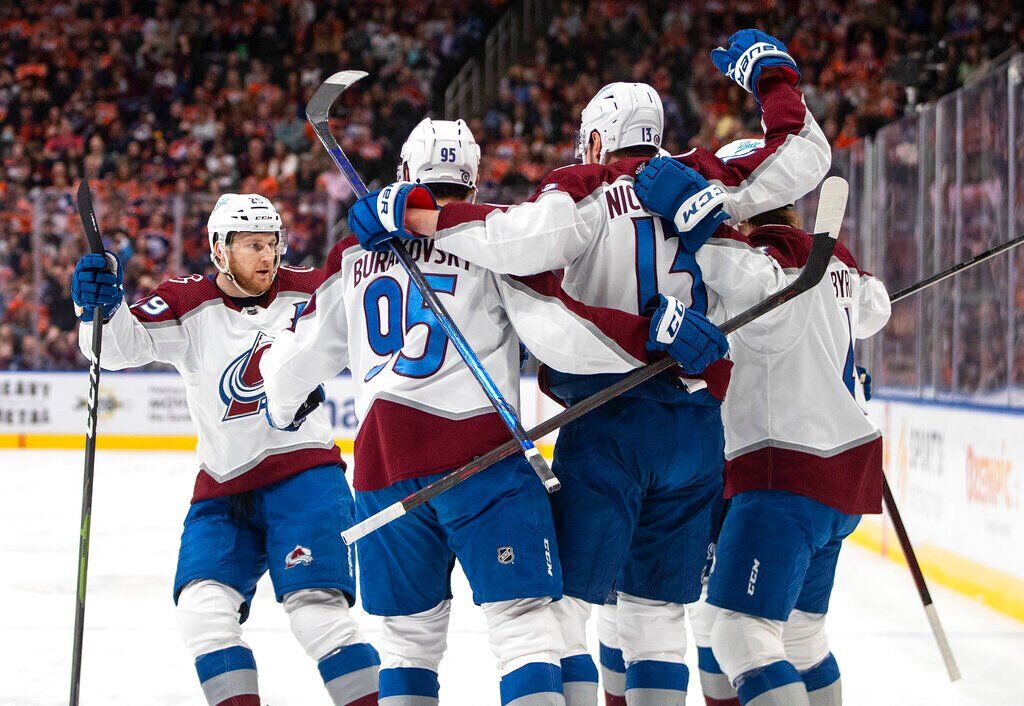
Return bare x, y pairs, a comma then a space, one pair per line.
440, 152
739, 148
247, 213
625, 115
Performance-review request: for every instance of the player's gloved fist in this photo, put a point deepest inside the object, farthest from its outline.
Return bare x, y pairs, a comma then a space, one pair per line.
674, 191
380, 215
750, 52
865, 381
314, 400
685, 334
97, 281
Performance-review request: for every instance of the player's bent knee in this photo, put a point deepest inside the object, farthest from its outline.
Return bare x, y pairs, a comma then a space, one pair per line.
651, 630
418, 640
805, 640
522, 631
744, 642
572, 614
702, 618
320, 621
207, 617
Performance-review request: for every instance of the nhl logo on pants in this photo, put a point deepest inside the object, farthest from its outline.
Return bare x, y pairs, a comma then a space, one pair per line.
506, 555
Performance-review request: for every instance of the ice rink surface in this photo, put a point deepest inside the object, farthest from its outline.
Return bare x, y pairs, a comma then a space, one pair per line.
133, 654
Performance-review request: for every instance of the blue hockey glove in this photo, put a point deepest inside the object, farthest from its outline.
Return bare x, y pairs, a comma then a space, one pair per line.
314, 400
751, 51
380, 215
685, 334
865, 381
672, 190
97, 281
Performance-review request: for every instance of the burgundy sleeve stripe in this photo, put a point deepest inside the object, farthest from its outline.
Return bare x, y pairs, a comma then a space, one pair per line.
629, 331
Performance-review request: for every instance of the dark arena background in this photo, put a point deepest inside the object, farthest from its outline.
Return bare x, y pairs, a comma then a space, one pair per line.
163, 106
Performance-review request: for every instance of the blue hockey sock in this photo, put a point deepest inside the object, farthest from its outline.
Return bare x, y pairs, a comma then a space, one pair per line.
350, 675
228, 677
653, 683
776, 683
579, 680
400, 686
822, 683
613, 675
718, 690
536, 679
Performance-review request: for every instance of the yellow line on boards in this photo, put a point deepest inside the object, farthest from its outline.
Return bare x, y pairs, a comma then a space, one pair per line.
134, 442
996, 589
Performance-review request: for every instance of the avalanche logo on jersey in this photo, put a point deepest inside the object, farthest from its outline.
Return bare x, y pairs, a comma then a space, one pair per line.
241, 385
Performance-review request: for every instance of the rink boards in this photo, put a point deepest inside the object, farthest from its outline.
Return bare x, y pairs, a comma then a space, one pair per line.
956, 472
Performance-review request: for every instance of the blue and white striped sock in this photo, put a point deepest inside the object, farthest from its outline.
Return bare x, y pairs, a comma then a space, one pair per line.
350, 675
776, 683
408, 686
579, 680
613, 675
533, 684
654, 683
228, 677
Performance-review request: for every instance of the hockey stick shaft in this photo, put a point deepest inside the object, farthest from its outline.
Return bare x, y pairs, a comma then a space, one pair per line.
817, 264
92, 234
919, 581
956, 269
316, 112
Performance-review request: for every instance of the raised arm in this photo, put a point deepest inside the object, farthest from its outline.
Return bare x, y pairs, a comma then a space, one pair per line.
738, 272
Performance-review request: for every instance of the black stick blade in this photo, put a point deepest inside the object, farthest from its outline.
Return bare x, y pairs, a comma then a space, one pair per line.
88, 215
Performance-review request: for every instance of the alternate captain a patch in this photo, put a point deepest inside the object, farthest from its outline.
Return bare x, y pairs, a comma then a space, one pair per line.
241, 385
300, 556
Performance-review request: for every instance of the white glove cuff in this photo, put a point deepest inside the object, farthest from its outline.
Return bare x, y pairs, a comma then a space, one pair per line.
386, 203
671, 320
695, 208
745, 64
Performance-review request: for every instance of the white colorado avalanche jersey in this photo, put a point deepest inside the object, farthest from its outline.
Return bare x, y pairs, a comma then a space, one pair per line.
420, 409
216, 346
587, 219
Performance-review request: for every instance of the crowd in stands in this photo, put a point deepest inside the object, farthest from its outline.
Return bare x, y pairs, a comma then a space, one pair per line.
163, 105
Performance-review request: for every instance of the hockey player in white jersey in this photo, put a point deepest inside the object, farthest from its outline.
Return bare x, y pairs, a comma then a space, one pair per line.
803, 462
264, 499
634, 512
422, 414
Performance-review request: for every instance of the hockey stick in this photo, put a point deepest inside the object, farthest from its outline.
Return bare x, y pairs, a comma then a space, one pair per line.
317, 111
922, 586
92, 234
831, 207
956, 269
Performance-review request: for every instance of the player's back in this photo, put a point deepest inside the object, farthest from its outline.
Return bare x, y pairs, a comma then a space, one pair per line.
792, 420
421, 410
632, 254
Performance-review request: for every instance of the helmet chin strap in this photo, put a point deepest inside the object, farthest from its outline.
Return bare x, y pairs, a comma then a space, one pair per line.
225, 270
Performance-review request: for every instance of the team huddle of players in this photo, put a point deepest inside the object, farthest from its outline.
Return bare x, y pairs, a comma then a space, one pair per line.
612, 263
